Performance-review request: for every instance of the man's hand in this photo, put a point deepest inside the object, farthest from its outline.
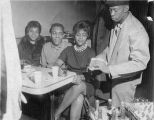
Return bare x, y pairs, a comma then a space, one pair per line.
99, 65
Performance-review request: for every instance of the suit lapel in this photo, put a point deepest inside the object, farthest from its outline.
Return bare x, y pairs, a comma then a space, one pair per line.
110, 51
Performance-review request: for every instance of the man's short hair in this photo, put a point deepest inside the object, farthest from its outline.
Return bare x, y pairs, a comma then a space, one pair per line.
56, 25
112, 3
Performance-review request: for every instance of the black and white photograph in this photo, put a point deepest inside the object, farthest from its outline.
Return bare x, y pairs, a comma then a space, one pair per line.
77, 59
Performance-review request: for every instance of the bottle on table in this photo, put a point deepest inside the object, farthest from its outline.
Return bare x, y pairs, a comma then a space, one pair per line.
109, 107
98, 111
96, 108
122, 111
115, 114
100, 114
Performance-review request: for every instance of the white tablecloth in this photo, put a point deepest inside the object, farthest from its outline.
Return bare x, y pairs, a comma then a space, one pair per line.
47, 84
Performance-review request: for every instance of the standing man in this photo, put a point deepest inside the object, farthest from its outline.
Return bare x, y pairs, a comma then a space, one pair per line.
127, 54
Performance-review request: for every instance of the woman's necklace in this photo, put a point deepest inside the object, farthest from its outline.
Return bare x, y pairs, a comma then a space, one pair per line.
80, 49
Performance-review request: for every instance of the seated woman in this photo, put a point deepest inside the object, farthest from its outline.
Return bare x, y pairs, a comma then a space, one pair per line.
31, 44
30, 48
76, 58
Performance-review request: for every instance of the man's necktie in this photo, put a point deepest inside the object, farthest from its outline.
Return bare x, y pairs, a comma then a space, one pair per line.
116, 32
117, 29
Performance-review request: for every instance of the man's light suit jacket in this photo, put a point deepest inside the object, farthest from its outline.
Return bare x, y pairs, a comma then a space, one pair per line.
131, 50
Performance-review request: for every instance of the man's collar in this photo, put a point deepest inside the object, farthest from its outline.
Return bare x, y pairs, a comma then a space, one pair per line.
119, 25
57, 47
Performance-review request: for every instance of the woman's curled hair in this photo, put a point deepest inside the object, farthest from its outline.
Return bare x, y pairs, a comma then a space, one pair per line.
84, 25
33, 24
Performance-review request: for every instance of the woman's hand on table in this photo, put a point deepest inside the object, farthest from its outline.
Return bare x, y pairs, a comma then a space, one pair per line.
78, 79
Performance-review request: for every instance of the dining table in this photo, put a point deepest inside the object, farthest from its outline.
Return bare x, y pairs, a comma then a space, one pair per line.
46, 84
